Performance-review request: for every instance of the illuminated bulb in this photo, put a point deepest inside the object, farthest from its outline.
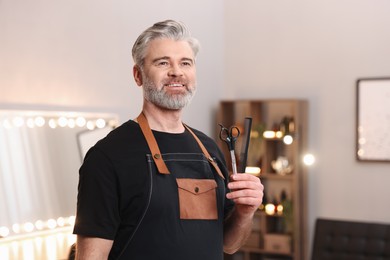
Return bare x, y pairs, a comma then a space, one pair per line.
269, 134
39, 224
51, 223
270, 209
61, 222
18, 121
254, 134
62, 121
4, 231
279, 134
100, 123
112, 123
71, 123
28, 227
279, 209
30, 123
16, 228
71, 220
309, 159
90, 125
288, 139
52, 123
39, 121
252, 170
80, 121
362, 140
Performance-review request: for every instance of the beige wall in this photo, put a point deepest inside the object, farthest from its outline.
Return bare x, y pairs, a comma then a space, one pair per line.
76, 55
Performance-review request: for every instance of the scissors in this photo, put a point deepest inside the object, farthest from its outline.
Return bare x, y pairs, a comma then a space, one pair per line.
229, 136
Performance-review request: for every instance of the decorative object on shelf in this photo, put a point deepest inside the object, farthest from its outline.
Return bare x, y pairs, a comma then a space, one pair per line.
287, 126
287, 212
277, 243
282, 166
373, 120
284, 130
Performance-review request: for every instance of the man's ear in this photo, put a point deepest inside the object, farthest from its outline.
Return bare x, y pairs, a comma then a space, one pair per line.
137, 75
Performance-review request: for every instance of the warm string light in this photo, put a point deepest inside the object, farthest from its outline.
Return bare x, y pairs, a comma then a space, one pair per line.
54, 122
272, 209
39, 225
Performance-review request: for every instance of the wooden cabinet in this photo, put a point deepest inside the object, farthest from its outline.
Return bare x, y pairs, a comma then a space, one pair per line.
279, 227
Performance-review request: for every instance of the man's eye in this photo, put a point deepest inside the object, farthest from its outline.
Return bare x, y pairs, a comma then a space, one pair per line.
162, 63
186, 63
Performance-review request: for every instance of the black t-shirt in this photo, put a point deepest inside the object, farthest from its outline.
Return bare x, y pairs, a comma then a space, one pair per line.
113, 180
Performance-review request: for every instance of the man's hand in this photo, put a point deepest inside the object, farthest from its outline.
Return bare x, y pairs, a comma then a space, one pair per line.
246, 192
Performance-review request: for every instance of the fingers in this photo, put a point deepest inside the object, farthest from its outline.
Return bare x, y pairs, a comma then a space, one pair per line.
245, 181
246, 189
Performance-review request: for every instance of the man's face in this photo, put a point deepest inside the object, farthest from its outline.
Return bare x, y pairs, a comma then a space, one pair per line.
169, 74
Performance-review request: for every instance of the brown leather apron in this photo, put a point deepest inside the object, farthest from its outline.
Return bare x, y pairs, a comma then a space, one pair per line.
184, 216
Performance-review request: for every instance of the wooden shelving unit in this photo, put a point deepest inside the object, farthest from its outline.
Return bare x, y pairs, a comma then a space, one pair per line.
279, 234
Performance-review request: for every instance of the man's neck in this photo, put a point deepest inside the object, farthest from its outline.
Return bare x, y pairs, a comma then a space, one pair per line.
163, 120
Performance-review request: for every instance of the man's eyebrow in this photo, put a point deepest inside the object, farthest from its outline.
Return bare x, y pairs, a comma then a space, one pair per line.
188, 59
160, 58
167, 58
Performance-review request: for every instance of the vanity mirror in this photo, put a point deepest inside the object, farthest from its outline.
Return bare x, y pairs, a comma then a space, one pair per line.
40, 154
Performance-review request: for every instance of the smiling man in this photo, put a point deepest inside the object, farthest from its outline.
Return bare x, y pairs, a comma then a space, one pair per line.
155, 188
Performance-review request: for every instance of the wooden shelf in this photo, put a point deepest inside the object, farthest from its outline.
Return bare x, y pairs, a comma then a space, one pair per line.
289, 229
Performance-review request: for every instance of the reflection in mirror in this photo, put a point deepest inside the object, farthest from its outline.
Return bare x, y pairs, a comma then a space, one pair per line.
40, 154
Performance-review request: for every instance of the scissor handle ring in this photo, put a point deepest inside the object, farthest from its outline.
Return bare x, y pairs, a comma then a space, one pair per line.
234, 132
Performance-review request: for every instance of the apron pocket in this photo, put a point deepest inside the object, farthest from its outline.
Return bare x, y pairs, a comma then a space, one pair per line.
197, 198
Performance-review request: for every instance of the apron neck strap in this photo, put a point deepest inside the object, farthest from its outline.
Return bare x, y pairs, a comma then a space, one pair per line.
205, 152
152, 143
153, 146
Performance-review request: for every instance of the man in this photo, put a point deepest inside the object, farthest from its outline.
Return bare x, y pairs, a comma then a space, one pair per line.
155, 188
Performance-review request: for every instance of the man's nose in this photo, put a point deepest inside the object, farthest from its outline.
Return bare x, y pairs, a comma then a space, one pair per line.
175, 71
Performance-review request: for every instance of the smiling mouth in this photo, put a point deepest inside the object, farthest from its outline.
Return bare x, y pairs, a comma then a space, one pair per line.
175, 85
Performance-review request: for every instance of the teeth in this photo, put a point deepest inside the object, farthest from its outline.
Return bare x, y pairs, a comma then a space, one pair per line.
175, 85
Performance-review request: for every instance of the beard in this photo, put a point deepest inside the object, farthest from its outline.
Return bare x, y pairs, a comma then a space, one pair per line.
161, 98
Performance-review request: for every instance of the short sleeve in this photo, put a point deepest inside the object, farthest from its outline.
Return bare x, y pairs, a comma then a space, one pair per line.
97, 199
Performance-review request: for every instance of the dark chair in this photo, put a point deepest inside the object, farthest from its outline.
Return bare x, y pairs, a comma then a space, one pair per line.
349, 240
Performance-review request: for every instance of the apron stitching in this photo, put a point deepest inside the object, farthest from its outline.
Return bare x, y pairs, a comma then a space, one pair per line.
146, 208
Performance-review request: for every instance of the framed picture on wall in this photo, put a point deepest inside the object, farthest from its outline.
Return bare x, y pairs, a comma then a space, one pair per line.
373, 119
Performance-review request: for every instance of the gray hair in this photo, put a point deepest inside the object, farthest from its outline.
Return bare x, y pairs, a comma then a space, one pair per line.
169, 29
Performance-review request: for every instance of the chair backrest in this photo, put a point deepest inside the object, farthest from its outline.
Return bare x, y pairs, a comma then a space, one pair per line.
348, 240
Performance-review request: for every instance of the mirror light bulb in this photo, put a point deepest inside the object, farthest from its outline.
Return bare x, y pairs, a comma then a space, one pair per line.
39, 121
39, 224
28, 227
100, 123
62, 121
18, 121
80, 121
16, 228
4, 231
51, 223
